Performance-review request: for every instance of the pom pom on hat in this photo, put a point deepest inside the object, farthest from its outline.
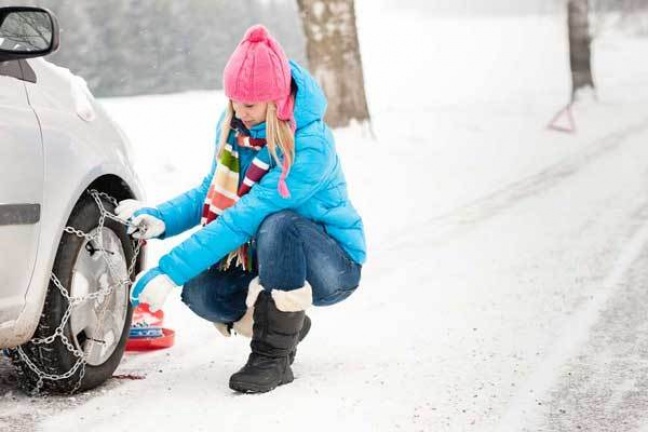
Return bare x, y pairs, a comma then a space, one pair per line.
256, 33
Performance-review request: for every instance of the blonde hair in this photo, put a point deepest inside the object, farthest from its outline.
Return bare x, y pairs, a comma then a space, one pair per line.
279, 135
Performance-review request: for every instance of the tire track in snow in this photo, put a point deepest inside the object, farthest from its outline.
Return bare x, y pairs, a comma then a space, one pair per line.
523, 409
440, 228
603, 388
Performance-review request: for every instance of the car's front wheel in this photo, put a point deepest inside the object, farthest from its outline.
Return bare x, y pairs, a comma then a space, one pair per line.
86, 318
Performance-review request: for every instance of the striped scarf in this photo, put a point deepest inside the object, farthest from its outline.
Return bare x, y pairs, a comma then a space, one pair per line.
225, 191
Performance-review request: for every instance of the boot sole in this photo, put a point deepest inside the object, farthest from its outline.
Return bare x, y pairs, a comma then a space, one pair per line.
249, 387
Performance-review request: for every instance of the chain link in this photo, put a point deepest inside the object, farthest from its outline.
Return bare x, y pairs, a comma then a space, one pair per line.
73, 301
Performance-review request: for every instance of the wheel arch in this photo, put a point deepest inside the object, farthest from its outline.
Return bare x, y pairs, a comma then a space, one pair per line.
26, 323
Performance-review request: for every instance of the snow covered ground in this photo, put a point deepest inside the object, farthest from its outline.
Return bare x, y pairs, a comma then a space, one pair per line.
505, 281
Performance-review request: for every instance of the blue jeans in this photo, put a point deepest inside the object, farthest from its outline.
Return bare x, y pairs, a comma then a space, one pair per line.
290, 251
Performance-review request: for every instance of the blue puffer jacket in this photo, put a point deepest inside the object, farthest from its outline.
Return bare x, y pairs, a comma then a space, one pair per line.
317, 191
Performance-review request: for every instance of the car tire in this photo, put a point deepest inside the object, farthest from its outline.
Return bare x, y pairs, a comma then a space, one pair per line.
55, 358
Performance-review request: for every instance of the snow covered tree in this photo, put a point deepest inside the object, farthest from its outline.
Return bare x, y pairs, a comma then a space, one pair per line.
579, 45
334, 57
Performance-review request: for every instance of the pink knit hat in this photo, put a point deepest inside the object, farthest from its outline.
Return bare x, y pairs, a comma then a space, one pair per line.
258, 71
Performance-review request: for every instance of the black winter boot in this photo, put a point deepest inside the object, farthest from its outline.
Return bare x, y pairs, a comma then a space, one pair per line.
274, 337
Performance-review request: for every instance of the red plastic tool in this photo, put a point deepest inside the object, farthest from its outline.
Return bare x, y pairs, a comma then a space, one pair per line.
146, 331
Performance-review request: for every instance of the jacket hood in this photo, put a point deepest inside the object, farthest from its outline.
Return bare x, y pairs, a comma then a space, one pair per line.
310, 102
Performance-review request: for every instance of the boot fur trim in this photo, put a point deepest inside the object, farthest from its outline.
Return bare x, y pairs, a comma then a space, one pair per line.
244, 325
253, 292
295, 300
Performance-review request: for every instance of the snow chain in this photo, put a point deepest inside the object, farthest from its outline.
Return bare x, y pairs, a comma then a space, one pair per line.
73, 301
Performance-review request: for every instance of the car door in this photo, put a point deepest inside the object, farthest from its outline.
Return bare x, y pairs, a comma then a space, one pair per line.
21, 186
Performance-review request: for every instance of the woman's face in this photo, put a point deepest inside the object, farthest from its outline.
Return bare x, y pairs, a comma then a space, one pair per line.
250, 113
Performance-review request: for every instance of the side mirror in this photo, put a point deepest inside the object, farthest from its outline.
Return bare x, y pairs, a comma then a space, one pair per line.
27, 32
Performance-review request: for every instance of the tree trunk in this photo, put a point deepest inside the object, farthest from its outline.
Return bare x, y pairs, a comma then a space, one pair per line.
579, 45
334, 57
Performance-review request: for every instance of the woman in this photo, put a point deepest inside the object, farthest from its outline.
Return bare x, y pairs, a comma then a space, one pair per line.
279, 232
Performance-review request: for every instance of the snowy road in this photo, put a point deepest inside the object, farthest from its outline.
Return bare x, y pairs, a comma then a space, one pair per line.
521, 311
510, 295
528, 288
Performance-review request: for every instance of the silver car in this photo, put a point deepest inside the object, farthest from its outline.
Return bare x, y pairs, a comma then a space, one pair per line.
65, 262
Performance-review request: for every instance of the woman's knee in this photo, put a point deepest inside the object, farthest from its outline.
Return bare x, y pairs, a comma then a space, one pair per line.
275, 229
278, 222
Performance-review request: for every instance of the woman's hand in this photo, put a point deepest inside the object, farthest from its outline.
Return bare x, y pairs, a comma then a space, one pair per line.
145, 222
127, 208
152, 287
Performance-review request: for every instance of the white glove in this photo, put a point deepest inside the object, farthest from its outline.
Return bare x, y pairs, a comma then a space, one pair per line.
151, 287
126, 208
146, 226
145, 221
